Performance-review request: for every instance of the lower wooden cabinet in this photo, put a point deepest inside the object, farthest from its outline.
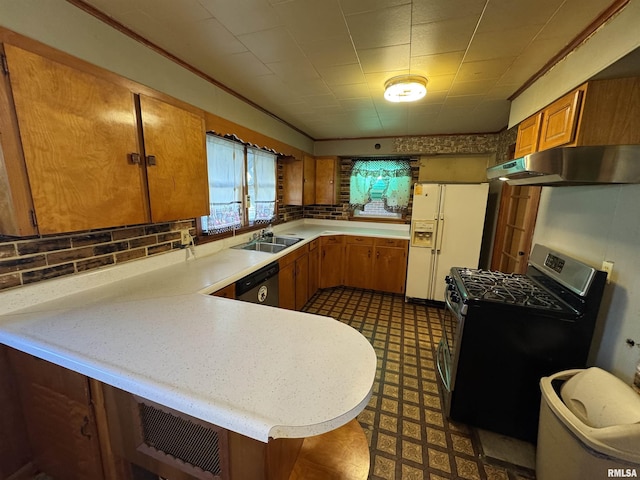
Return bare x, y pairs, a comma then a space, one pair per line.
60, 419
331, 261
376, 263
314, 266
226, 292
293, 279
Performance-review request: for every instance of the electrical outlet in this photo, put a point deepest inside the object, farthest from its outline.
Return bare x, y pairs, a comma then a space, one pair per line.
607, 266
185, 237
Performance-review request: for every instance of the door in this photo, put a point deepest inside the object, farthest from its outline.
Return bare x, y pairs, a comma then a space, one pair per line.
461, 225
514, 231
426, 202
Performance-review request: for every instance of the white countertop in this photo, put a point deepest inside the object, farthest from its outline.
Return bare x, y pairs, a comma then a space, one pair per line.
151, 330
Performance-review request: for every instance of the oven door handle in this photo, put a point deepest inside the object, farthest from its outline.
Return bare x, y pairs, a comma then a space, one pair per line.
444, 375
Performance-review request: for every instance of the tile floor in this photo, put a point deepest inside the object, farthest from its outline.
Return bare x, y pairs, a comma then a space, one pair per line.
409, 437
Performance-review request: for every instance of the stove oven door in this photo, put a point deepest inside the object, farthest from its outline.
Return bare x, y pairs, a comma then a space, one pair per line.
446, 358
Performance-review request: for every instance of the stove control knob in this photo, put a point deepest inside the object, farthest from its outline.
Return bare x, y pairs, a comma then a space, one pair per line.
448, 279
455, 298
451, 287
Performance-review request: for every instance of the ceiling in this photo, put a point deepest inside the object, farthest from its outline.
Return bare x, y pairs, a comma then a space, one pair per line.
321, 65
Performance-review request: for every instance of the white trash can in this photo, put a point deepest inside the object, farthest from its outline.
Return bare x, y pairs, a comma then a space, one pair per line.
592, 432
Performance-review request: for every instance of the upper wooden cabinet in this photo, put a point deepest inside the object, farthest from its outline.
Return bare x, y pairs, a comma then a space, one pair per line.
600, 112
95, 154
528, 135
327, 180
559, 120
299, 180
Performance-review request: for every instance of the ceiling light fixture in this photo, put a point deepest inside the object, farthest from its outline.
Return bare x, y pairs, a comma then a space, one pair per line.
405, 88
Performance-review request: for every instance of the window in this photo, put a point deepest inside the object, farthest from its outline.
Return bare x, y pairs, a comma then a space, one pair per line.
242, 185
380, 188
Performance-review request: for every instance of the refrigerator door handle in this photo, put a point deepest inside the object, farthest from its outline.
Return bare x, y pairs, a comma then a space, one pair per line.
439, 234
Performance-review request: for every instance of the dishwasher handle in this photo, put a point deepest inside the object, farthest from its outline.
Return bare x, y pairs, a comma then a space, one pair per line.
255, 278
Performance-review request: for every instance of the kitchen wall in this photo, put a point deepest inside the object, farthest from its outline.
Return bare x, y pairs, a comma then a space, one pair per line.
593, 224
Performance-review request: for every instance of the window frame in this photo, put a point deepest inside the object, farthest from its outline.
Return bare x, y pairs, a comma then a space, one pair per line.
203, 235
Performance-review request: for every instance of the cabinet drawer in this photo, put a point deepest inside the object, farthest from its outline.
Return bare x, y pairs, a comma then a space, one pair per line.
358, 240
314, 244
391, 242
331, 240
293, 256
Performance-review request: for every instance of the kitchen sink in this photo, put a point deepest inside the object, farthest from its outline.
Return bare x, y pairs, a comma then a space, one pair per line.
263, 247
288, 241
273, 244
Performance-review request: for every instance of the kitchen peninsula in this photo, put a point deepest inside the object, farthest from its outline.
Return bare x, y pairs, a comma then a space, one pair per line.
259, 372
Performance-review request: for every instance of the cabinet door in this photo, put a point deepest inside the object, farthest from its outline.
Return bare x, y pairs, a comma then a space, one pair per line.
292, 176
314, 267
331, 261
559, 121
77, 132
528, 136
59, 416
390, 268
358, 262
309, 180
287, 286
302, 281
174, 142
327, 180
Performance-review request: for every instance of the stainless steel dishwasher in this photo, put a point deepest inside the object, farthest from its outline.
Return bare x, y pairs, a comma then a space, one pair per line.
260, 286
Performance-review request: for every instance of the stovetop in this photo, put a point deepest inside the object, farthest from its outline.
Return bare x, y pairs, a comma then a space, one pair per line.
507, 288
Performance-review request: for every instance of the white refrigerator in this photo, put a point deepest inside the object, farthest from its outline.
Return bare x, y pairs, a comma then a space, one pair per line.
447, 222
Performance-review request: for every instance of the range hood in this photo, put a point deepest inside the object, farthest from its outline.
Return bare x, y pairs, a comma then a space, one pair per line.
572, 166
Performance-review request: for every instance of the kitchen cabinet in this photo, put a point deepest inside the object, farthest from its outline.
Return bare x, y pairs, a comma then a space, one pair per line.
314, 266
560, 120
359, 258
600, 112
390, 264
331, 261
299, 180
327, 191
226, 292
376, 263
95, 154
293, 279
61, 424
528, 135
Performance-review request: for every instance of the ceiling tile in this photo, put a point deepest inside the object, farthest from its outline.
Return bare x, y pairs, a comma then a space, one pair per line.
508, 42
430, 11
433, 65
385, 59
274, 45
502, 13
331, 51
395, 27
359, 6
342, 74
479, 87
242, 16
484, 70
435, 38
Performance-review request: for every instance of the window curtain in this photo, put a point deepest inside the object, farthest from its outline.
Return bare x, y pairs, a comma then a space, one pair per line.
394, 175
225, 163
261, 181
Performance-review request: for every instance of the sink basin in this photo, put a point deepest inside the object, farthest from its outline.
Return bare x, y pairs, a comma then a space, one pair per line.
264, 247
288, 241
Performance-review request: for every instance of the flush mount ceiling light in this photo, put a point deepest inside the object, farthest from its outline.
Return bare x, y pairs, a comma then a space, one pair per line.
405, 88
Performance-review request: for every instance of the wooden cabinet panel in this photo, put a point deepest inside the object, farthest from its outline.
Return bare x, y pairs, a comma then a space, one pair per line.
314, 266
59, 416
358, 265
559, 121
390, 266
77, 132
309, 180
528, 135
299, 181
178, 183
331, 261
226, 292
293, 279
327, 180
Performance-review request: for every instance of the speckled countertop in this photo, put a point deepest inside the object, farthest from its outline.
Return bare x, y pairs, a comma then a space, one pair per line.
150, 329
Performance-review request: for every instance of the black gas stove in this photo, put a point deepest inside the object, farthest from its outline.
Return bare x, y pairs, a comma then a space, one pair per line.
503, 332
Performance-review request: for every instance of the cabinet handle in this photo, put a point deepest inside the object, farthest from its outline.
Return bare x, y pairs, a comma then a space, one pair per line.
135, 158
378, 254
368, 253
84, 430
151, 160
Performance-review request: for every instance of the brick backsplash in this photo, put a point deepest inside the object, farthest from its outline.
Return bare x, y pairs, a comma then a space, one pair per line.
25, 261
